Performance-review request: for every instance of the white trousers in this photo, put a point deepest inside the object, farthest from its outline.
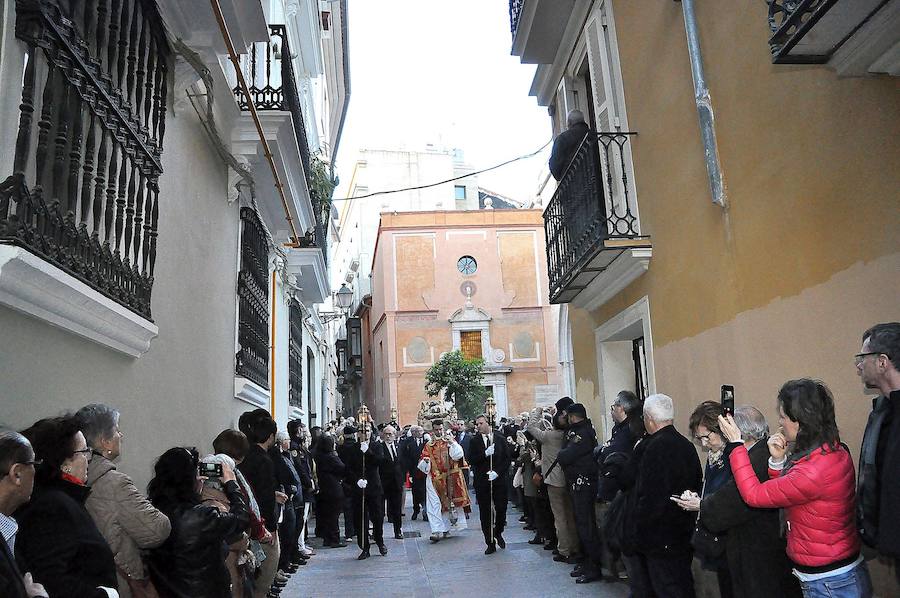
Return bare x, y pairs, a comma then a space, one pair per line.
439, 521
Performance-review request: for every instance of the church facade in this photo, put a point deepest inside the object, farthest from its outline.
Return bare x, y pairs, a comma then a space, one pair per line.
468, 280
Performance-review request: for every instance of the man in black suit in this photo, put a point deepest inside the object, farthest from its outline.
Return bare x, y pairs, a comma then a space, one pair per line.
393, 474
567, 143
17, 471
657, 531
411, 453
489, 456
364, 460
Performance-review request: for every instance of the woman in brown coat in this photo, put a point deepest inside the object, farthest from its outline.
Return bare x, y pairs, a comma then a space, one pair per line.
124, 516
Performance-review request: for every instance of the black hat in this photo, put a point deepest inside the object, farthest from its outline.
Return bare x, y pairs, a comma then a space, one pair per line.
576, 409
350, 430
563, 404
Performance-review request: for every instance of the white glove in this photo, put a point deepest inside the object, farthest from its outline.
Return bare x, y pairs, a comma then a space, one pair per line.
424, 466
110, 592
492, 475
362, 483
364, 446
489, 451
427, 437
408, 433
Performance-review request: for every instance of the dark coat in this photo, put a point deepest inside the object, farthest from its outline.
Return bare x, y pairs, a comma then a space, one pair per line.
564, 148
331, 472
577, 453
481, 463
392, 471
754, 547
620, 441
303, 465
666, 463
412, 452
60, 545
191, 562
286, 475
259, 471
352, 456
878, 493
11, 584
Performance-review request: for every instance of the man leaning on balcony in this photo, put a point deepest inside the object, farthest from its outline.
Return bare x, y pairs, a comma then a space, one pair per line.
566, 144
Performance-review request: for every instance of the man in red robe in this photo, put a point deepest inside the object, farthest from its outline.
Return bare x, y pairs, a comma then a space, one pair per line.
446, 493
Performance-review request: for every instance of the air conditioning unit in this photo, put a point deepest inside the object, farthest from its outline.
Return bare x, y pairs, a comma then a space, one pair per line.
349, 277
354, 265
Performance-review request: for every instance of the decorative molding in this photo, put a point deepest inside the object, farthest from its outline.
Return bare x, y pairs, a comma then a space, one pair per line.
249, 392
624, 270
311, 273
39, 289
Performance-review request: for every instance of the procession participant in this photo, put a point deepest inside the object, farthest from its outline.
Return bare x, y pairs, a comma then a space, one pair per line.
412, 451
490, 466
364, 460
446, 494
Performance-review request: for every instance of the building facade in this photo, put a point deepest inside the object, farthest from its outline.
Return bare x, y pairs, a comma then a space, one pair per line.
161, 243
745, 207
473, 281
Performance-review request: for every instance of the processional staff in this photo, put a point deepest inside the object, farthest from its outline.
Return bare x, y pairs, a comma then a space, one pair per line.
490, 409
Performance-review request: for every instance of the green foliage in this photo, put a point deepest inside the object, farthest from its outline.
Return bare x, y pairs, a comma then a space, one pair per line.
462, 382
322, 185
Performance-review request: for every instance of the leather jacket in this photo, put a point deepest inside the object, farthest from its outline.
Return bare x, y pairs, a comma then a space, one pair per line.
191, 563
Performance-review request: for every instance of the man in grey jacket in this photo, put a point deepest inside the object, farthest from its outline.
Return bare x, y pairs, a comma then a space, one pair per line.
560, 502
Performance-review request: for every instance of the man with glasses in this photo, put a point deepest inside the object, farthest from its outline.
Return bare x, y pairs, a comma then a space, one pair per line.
878, 492
17, 465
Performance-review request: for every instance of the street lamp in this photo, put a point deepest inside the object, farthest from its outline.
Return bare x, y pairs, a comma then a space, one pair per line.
343, 298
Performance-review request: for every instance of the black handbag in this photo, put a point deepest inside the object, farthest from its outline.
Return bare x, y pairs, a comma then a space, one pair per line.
707, 544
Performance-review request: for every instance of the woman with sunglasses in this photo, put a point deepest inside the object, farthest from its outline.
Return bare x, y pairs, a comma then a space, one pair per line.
57, 539
191, 562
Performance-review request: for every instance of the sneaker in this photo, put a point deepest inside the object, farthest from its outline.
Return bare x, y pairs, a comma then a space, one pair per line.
435, 537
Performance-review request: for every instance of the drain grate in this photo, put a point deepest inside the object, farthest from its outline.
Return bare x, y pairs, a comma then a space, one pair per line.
412, 534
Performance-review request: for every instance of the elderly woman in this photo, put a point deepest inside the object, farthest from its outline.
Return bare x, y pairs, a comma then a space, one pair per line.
812, 479
124, 516
704, 425
57, 540
754, 547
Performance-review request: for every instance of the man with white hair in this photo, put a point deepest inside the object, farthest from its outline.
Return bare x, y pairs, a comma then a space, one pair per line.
657, 531
393, 475
567, 143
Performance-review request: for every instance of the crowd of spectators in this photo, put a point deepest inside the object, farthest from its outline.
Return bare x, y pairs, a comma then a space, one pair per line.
778, 513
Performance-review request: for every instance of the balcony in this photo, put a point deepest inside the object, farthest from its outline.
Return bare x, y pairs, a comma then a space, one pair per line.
538, 27
594, 245
84, 192
855, 37
269, 73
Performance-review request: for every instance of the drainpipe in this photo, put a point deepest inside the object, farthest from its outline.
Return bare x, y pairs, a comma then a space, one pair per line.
704, 106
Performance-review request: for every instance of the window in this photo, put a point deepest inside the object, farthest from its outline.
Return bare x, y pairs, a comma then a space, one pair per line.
467, 265
459, 192
470, 344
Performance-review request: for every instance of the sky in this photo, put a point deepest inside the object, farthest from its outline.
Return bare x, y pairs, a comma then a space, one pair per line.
440, 71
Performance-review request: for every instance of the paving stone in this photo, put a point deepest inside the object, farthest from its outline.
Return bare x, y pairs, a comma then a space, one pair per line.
417, 568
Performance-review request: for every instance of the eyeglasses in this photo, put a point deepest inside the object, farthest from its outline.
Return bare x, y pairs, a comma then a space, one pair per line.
703, 437
86, 452
35, 462
860, 357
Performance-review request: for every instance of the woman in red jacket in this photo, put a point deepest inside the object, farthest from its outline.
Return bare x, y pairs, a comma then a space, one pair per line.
814, 484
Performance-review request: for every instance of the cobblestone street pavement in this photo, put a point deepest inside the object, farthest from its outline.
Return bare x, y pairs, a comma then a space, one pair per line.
416, 568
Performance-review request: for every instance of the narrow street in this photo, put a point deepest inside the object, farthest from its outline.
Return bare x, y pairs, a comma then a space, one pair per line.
416, 568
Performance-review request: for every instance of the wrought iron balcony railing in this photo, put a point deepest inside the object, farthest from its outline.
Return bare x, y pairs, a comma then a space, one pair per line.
811, 31
252, 359
85, 196
592, 204
269, 72
295, 356
515, 12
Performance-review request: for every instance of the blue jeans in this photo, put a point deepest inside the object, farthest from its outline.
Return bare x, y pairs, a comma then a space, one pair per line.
855, 583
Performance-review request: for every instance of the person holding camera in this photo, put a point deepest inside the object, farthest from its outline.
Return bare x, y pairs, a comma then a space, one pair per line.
191, 562
813, 481
577, 460
123, 515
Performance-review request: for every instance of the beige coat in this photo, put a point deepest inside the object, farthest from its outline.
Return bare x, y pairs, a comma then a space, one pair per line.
551, 441
124, 516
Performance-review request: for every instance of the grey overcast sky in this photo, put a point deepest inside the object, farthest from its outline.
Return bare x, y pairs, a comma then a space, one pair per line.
440, 71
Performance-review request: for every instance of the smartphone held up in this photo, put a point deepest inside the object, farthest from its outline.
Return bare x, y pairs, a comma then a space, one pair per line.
727, 399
